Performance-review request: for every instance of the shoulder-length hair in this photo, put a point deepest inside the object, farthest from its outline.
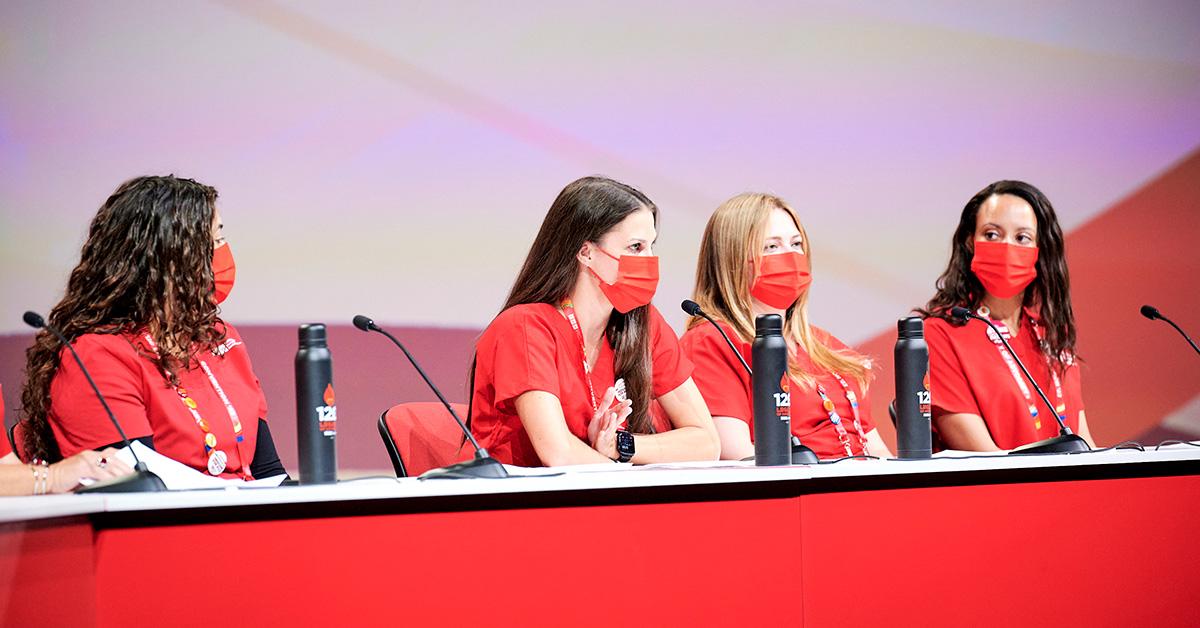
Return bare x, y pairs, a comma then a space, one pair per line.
732, 241
146, 267
585, 211
1049, 293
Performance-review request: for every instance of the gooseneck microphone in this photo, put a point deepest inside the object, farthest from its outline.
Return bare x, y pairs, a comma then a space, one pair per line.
141, 480
801, 454
1066, 441
693, 309
483, 466
1153, 314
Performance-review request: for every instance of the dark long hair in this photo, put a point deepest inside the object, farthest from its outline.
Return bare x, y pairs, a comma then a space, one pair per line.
146, 266
1050, 291
583, 212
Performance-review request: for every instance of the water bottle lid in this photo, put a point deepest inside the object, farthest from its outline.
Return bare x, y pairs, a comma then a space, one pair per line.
768, 325
913, 327
312, 335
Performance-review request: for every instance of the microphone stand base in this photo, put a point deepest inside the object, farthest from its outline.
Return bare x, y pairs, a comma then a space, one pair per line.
478, 468
136, 482
801, 454
1065, 444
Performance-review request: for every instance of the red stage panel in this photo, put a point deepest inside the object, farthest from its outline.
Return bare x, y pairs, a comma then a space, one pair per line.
995, 555
658, 564
47, 573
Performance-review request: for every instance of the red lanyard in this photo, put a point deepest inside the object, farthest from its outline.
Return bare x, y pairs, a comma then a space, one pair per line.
836, 419
568, 308
1060, 407
217, 459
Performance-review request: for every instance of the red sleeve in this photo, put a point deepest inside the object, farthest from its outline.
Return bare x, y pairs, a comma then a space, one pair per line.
524, 357
671, 367
1073, 387
949, 389
721, 378
5, 446
77, 416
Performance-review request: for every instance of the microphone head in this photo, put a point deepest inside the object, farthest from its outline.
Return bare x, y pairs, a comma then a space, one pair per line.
960, 313
1147, 311
35, 320
691, 308
363, 323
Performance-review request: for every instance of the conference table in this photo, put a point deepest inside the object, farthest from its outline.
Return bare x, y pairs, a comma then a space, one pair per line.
1098, 538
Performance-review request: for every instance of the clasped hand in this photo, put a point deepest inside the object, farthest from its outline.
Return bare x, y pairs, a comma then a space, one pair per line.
602, 431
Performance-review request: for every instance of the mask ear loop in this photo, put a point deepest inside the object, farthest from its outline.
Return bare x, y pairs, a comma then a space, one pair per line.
593, 270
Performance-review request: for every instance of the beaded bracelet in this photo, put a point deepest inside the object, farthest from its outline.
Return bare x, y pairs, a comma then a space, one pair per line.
39, 482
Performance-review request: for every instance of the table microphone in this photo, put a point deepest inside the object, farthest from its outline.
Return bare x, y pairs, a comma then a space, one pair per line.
142, 479
483, 466
1066, 441
801, 454
1153, 313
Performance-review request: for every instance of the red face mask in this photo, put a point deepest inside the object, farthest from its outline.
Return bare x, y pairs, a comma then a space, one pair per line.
781, 279
1004, 269
637, 279
223, 271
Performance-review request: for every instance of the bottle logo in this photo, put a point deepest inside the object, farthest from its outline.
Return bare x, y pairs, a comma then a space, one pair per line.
783, 400
327, 414
923, 401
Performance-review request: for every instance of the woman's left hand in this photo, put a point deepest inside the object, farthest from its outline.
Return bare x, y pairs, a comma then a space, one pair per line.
602, 430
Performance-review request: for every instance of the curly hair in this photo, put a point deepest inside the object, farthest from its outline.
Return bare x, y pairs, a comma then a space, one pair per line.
146, 267
1050, 291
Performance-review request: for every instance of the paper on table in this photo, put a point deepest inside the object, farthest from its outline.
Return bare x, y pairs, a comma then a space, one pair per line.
179, 477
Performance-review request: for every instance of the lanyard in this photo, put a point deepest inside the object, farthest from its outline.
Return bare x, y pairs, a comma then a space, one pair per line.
1061, 407
216, 457
568, 308
836, 419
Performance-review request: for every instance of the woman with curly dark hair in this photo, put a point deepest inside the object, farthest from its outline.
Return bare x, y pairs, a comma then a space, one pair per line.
1008, 263
141, 310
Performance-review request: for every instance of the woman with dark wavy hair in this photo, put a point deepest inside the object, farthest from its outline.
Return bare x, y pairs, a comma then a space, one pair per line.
577, 334
141, 309
1007, 262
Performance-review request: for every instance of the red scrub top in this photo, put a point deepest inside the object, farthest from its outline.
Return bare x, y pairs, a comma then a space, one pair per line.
967, 374
533, 347
146, 405
725, 385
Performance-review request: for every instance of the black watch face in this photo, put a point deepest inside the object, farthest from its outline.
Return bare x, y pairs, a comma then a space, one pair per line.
624, 445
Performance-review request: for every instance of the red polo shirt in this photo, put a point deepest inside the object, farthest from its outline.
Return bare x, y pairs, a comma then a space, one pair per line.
725, 385
146, 405
533, 347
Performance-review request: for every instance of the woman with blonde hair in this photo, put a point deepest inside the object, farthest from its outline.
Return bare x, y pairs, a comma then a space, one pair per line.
754, 260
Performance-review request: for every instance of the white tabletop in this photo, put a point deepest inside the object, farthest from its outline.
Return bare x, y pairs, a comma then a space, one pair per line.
590, 477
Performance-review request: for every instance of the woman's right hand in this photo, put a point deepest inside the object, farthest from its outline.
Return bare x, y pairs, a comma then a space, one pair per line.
602, 430
64, 476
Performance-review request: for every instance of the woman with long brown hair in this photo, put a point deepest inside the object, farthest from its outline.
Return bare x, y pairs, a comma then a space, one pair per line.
570, 370
754, 260
141, 309
1007, 262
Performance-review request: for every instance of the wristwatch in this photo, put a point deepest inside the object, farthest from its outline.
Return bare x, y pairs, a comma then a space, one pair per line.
624, 446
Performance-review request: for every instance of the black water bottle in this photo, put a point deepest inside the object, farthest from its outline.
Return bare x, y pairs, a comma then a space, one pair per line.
913, 434
316, 412
769, 389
